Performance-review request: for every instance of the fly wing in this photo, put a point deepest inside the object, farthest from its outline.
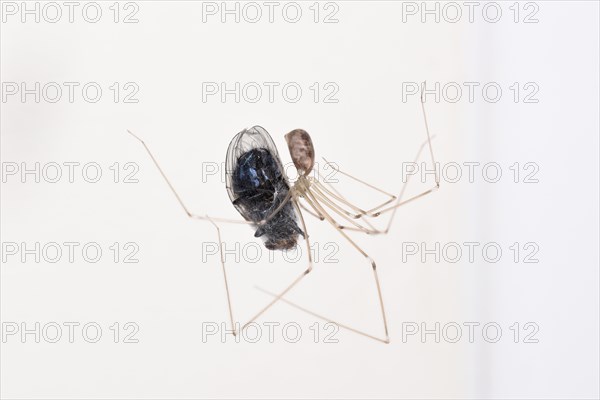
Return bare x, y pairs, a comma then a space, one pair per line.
253, 138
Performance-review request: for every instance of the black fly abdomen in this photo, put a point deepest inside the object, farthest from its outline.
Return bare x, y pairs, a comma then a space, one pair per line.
257, 187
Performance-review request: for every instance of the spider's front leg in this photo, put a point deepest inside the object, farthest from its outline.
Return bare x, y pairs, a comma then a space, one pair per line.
212, 220
181, 203
333, 199
314, 202
279, 296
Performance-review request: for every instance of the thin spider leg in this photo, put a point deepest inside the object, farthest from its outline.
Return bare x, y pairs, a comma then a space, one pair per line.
335, 194
314, 314
212, 220
376, 212
342, 213
311, 212
187, 211
314, 207
295, 281
429, 137
327, 187
322, 179
401, 203
437, 178
332, 221
359, 228
224, 275
371, 229
317, 189
334, 167
338, 209
373, 214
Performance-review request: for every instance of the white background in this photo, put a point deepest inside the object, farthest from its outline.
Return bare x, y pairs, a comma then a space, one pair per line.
175, 288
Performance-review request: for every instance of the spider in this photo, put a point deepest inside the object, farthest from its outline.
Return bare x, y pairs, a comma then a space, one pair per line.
262, 194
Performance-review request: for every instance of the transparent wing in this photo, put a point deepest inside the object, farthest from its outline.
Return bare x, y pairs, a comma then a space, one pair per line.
256, 137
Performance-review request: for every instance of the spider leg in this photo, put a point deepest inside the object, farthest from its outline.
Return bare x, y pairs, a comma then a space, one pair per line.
320, 209
376, 211
212, 220
222, 259
329, 188
185, 209
314, 314
320, 189
344, 214
299, 278
379, 210
322, 218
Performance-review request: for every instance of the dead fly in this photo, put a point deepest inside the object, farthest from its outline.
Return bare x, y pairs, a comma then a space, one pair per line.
262, 194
